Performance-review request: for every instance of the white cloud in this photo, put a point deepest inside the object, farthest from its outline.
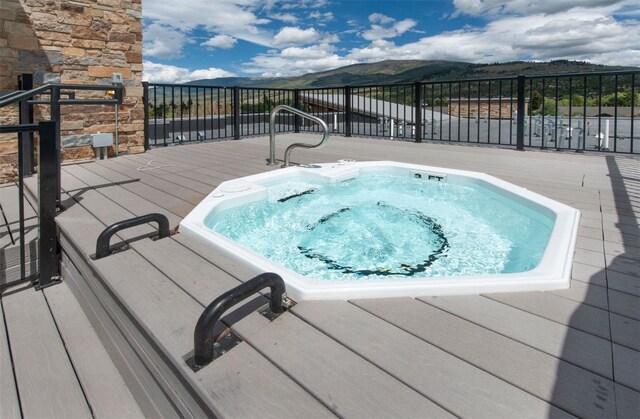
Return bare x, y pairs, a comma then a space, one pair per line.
582, 35
291, 35
162, 73
322, 17
383, 27
295, 61
209, 73
163, 42
380, 18
284, 17
526, 7
236, 18
220, 41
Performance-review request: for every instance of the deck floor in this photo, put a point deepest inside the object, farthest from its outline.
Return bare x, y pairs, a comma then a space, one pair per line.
573, 352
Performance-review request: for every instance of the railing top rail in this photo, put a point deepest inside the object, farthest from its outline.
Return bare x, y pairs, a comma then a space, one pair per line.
271, 89
182, 85
24, 95
20, 96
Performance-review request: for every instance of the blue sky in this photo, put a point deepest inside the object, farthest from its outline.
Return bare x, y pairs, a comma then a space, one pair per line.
194, 39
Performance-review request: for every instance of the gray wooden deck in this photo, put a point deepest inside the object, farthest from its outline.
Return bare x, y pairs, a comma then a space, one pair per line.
564, 353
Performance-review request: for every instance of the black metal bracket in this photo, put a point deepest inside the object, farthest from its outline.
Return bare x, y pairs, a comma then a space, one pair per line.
203, 338
102, 245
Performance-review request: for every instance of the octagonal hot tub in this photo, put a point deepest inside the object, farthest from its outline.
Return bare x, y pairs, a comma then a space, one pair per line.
350, 230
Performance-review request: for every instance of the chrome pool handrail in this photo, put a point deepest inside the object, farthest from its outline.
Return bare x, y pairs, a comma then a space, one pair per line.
287, 152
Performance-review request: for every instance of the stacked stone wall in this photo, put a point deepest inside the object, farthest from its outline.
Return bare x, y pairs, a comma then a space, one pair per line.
74, 42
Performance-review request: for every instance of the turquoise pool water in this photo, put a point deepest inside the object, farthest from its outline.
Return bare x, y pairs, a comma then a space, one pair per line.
388, 225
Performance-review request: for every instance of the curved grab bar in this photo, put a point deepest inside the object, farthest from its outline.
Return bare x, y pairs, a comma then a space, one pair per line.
102, 244
203, 338
287, 153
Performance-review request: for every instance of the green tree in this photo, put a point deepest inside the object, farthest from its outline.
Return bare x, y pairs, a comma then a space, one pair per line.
536, 101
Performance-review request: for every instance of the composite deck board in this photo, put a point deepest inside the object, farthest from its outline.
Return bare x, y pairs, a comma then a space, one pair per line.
129, 201
169, 315
205, 284
120, 348
561, 384
10, 406
624, 304
184, 169
52, 389
454, 384
129, 162
588, 274
103, 386
585, 293
571, 345
202, 184
627, 366
625, 331
626, 283
180, 191
155, 195
348, 383
552, 307
493, 354
623, 264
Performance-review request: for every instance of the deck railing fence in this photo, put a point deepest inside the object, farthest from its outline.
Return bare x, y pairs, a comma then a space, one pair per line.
41, 265
580, 112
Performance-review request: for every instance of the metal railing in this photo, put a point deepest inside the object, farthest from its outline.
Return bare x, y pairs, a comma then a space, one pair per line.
48, 162
579, 112
287, 152
203, 336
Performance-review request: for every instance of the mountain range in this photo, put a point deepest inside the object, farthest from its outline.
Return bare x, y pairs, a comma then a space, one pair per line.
409, 71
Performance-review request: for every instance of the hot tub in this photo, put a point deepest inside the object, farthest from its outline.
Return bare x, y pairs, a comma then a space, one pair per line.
349, 230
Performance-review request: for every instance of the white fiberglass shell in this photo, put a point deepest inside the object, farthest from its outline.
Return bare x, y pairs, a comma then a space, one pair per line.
553, 271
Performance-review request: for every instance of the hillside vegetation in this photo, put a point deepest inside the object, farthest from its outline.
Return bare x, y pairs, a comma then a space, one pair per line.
409, 71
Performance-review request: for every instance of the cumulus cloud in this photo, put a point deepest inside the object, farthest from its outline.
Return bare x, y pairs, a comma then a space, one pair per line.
526, 7
322, 17
163, 42
297, 60
585, 35
220, 41
163, 73
293, 35
383, 27
236, 18
284, 17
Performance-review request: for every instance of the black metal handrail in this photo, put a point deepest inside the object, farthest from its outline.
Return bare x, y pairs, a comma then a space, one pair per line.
48, 161
203, 338
102, 244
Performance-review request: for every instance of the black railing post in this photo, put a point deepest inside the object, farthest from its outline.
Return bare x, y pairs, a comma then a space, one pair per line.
347, 111
296, 104
521, 112
56, 117
48, 195
26, 117
418, 109
145, 103
236, 113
